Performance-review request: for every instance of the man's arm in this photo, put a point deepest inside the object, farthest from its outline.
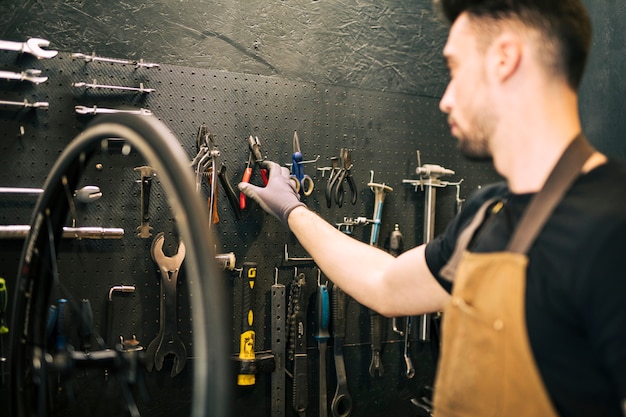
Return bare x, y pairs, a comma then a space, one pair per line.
391, 286
399, 286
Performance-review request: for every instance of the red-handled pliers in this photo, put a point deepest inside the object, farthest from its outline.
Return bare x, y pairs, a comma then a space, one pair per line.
255, 150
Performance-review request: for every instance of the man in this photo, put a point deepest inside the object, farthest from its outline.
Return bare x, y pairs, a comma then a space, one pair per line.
536, 328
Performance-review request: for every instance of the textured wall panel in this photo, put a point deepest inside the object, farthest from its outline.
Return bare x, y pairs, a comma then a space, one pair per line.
383, 130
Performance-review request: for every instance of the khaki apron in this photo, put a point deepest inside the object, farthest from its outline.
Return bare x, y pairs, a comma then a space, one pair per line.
486, 365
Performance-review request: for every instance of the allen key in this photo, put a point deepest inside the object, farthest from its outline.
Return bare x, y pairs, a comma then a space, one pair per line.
299, 261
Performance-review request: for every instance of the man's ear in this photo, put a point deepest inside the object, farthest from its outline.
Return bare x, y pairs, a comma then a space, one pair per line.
507, 56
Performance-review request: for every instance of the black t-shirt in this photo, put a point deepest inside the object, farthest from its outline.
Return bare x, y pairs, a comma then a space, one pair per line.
575, 289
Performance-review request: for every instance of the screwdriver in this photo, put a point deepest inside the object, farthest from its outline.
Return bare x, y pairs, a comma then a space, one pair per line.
86, 324
322, 336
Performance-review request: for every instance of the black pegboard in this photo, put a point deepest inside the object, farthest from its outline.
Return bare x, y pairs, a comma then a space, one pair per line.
383, 130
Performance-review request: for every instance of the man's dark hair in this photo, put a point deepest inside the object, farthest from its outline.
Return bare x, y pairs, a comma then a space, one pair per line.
563, 24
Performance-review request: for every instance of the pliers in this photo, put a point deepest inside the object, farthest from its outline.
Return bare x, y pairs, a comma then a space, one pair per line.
255, 151
302, 181
205, 164
341, 172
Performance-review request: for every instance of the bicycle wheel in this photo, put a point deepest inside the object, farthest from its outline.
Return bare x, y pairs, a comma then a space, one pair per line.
33, 360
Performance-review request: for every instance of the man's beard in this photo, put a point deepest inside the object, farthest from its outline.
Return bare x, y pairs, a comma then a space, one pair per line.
475, 149
474, 143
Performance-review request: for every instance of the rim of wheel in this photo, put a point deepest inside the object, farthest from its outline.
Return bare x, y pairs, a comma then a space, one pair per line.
161, 150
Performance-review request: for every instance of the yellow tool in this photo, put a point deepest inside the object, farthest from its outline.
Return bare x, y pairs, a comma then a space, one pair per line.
4, 299
246, 341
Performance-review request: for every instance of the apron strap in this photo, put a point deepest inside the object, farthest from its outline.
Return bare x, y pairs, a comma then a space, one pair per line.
545, 201
449, 269
538, 211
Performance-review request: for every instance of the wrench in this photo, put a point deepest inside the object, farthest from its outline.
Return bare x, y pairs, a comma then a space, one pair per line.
32, 46
167, 340
26, 104
31, 75
103, 110
341, 405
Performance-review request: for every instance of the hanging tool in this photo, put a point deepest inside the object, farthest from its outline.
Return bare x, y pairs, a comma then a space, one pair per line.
147, 173
297, 342
254, 158
62, 317
26, 104
303, 182
278, 312
33, 46
341, 171
121, 289
95, 85
205, 165
228, 189
380, 190
396, 247
21, 231
167, 340
226, 260
341, 405
247, 336
4, 329
103, 110
322, 336
85, 325
86, 194
93, 58
30, 75
429, 180
4, 300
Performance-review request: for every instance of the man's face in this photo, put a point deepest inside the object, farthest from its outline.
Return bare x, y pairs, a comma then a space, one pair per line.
466, 100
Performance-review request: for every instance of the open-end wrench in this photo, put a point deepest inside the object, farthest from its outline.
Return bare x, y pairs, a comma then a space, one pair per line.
322, 336
410, 370
31, 75
341, 405
104, 110
376, 365
33, 46
167, 340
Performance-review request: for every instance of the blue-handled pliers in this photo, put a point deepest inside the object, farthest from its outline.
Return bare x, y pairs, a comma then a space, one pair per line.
303, 182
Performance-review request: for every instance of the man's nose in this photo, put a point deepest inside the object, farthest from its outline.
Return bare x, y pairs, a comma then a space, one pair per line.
445, 104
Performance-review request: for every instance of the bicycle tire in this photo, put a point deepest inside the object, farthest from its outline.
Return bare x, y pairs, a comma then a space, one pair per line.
162, 150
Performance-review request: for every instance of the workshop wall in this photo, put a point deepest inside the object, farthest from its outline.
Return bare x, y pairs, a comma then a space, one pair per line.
360, 75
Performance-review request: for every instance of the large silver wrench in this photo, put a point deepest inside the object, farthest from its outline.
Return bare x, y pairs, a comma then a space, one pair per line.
33, 46
167, 341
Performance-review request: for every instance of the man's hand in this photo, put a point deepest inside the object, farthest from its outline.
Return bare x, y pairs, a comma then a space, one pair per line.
279, 197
